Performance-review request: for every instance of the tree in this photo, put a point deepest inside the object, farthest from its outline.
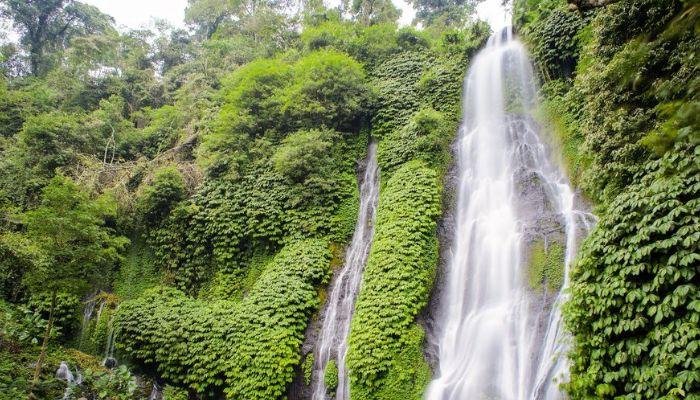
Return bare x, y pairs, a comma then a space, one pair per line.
70, 245
49, 25
451, 13
370, 12
207, 15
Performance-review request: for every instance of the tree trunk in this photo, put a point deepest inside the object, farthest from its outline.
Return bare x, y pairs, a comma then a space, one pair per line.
34, 61
44, 345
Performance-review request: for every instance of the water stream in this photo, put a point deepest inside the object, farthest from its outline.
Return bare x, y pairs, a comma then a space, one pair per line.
497, 337
332, 343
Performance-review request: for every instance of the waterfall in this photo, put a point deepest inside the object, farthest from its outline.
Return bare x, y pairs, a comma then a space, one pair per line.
498, 338
333, 339
109, 360
156, 392
88, 310
64, 373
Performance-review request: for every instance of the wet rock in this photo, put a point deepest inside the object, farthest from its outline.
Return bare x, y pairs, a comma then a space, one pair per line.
110, 362
64, 373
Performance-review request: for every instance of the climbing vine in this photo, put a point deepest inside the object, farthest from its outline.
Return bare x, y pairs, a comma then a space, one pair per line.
245, 350
635, 303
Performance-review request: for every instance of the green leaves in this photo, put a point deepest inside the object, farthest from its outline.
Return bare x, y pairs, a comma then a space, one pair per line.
330, 376
396, 284
247, 350
157, 198
273, 98
328, 89
304, 153
634, 313
69, 230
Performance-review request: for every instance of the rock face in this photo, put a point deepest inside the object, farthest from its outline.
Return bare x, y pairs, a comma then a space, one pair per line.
64, 373
446, 226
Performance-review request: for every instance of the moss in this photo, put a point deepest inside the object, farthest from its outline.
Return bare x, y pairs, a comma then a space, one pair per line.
546, 266
330, 375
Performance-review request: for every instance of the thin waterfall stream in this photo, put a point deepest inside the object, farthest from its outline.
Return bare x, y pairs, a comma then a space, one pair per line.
497, 337
333, 340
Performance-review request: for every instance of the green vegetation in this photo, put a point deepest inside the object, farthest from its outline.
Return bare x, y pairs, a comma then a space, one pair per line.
308, 367
621, 91
246, 349
545, 268
395, 288
330, 376
635, 301
415, 125
197, 187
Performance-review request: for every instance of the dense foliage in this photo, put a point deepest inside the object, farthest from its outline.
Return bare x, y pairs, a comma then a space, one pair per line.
415, 125
246, 349
635, 307
621, 88
187, 192
385, 354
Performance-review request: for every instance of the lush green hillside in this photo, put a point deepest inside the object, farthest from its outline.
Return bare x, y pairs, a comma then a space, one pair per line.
203, 184
178, 199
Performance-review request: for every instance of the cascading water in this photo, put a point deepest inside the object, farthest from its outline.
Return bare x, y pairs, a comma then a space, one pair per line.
109, 360
498, 338
88, 310
333, 339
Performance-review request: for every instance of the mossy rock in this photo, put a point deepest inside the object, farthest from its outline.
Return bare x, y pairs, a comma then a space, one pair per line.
330, 376
546, 266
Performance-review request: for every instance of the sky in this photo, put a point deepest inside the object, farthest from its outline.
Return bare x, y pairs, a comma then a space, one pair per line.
493, 12
135, 13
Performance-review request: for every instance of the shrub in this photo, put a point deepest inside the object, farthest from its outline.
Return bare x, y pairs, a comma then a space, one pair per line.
375, 44
334, 34
248, 350
157, 199
330, 376
328, 89
304, 153
65, 313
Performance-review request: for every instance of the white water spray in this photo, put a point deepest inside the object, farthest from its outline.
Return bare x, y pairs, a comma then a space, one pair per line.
497, 338
333, 339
